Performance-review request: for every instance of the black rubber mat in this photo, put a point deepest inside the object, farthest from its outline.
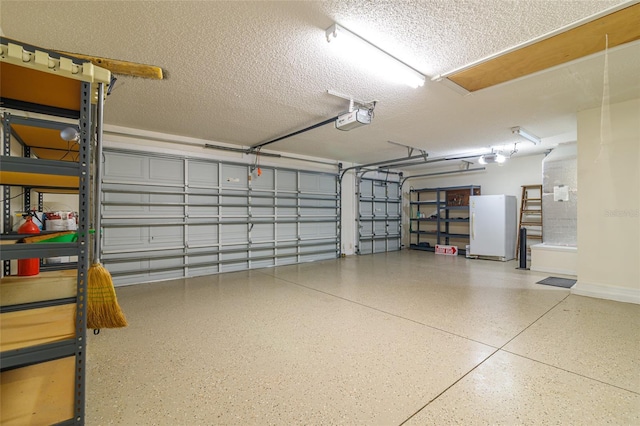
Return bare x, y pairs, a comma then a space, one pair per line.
558, 282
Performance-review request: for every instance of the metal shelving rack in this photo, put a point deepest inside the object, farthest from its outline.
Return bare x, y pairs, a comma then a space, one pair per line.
437, 216
43, 319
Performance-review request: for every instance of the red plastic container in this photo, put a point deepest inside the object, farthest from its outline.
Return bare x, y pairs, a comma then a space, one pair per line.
27, 267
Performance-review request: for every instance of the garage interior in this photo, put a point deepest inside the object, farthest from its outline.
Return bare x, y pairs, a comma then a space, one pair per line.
298, 235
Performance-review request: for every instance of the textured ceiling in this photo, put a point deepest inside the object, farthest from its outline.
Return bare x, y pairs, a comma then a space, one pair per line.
247, 72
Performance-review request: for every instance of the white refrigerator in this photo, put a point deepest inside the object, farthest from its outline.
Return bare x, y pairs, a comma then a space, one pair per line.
492, 223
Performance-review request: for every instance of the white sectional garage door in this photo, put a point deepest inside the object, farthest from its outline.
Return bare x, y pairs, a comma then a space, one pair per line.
169, 217
379, 219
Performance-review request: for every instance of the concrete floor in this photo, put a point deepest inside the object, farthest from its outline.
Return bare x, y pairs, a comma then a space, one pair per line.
388, 339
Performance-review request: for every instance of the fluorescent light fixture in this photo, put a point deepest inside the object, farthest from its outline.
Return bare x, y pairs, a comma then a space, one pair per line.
378, 61
526, 134
491, 158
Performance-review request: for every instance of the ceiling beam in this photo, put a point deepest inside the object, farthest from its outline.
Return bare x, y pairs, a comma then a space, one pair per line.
619, 28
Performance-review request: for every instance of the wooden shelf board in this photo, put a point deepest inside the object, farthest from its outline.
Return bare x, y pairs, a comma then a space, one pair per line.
46, 143
16, 290
29, 85
38, 394
22, 329
38, 180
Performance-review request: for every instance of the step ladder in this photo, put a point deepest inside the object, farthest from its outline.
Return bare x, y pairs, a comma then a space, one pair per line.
530, 215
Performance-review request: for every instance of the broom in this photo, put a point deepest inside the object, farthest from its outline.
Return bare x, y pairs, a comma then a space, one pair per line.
103, 310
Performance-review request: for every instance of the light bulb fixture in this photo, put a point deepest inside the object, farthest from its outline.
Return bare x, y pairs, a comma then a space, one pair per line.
70, 134
525, 134
374, 58
492, 158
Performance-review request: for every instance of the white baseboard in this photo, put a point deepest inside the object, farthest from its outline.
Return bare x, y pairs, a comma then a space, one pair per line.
554, 270
600, 291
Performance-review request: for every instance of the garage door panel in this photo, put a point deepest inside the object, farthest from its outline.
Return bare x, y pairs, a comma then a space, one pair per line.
287, 231
202, 205
198, 271
116, 267
233, 234
393, 209
202, 211
317, 203
366, 228
166, 235
203, 174
234, 176
166, 170
286, 211
216, 218
125, 203
366, 208
366, 189
126, 166
380, 190
166, 198
311, 212
125, 238
379, 246
317, 183
263, 232
290, 260
166, 275
286, 202
380, 208
366, 247
234, 266
316, 257
262, 200
315, 229
286, 180
266, 181
263, 211
262, 258
203, 234
393, 228
231, 213
379, 227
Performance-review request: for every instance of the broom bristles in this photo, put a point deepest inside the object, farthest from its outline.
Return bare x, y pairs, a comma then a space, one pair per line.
103, 310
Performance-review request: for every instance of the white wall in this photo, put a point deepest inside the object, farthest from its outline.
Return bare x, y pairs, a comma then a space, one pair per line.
506, 178
609, 201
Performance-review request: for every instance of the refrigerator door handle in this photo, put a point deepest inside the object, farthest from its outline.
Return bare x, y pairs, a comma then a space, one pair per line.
473, 226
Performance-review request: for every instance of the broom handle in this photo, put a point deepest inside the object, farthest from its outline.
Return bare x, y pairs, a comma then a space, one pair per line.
98, 175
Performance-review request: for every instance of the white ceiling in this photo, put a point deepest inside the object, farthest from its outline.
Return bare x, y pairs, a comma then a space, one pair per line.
247, 72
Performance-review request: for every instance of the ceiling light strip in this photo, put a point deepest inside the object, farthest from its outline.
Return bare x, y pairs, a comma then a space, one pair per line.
526, 134
336, 29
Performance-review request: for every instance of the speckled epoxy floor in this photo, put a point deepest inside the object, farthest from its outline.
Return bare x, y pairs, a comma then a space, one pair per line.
405, 337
